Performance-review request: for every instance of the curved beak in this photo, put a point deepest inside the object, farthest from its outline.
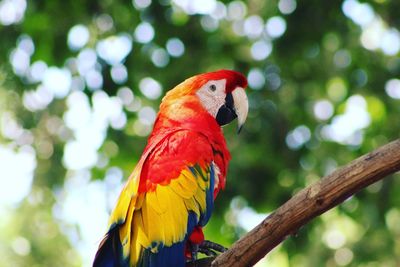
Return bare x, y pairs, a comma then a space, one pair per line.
236, 106
241, 106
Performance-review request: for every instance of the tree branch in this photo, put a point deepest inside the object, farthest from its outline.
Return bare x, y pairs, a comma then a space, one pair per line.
309, 203
204, 262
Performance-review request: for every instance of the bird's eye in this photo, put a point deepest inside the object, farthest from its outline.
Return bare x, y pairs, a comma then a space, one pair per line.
213, 87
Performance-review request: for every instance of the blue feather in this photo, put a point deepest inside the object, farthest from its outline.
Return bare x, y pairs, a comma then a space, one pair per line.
109, 253
209, 199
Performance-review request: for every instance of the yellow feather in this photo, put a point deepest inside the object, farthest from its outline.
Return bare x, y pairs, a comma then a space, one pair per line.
179, 189
202, 184
200, 198
125, 199
188, 181
139, 239
169, 221
138, 228
162, 193
192, 205
153, 224
139, 201
179, 216
125, 231
152, 200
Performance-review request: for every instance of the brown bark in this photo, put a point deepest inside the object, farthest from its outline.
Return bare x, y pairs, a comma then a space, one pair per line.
312, 201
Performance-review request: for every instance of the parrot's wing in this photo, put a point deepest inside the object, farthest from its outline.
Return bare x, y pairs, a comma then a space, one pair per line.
170, 192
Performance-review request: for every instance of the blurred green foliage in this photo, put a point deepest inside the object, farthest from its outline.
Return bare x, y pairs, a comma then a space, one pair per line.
324, 90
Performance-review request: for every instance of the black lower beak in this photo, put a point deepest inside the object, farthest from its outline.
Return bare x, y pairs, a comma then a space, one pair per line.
226, 113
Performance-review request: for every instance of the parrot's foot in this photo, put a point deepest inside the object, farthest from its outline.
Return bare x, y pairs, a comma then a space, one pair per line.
210, 248
194, 248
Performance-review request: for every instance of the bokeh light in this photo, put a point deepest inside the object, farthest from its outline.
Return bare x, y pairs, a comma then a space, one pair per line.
114, 49
57, 81
260, 50
160, 57
347, 128
78, 37
196, 6
298, 137
17, 169
144, 33
376, 34
276, 27
37, 71
150, 88
253, 26
392, 88
119, 74
323, 109
287, 6
175, 47
12, 11
256, 78
141, 4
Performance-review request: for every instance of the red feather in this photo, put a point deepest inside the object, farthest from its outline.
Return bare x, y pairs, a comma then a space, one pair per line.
233, 79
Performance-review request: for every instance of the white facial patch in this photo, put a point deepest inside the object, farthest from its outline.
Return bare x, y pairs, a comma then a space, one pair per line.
212, 95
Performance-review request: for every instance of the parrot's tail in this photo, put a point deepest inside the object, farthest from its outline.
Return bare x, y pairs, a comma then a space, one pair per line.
109, 252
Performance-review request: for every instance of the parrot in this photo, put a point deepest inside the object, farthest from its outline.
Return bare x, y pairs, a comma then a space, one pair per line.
169, 197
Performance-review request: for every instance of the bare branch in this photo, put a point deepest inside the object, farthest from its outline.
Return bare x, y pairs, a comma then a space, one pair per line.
311, 202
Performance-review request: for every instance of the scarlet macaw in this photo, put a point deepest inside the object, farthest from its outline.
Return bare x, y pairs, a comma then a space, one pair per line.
170, 195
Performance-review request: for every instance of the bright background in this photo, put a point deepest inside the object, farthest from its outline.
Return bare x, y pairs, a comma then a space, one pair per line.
80, 83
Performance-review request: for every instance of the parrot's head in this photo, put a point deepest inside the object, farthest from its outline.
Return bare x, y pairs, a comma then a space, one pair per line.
221, 94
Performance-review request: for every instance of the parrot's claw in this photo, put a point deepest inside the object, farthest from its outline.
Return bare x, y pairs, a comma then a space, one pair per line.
208, 252
194, 250
210, 248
